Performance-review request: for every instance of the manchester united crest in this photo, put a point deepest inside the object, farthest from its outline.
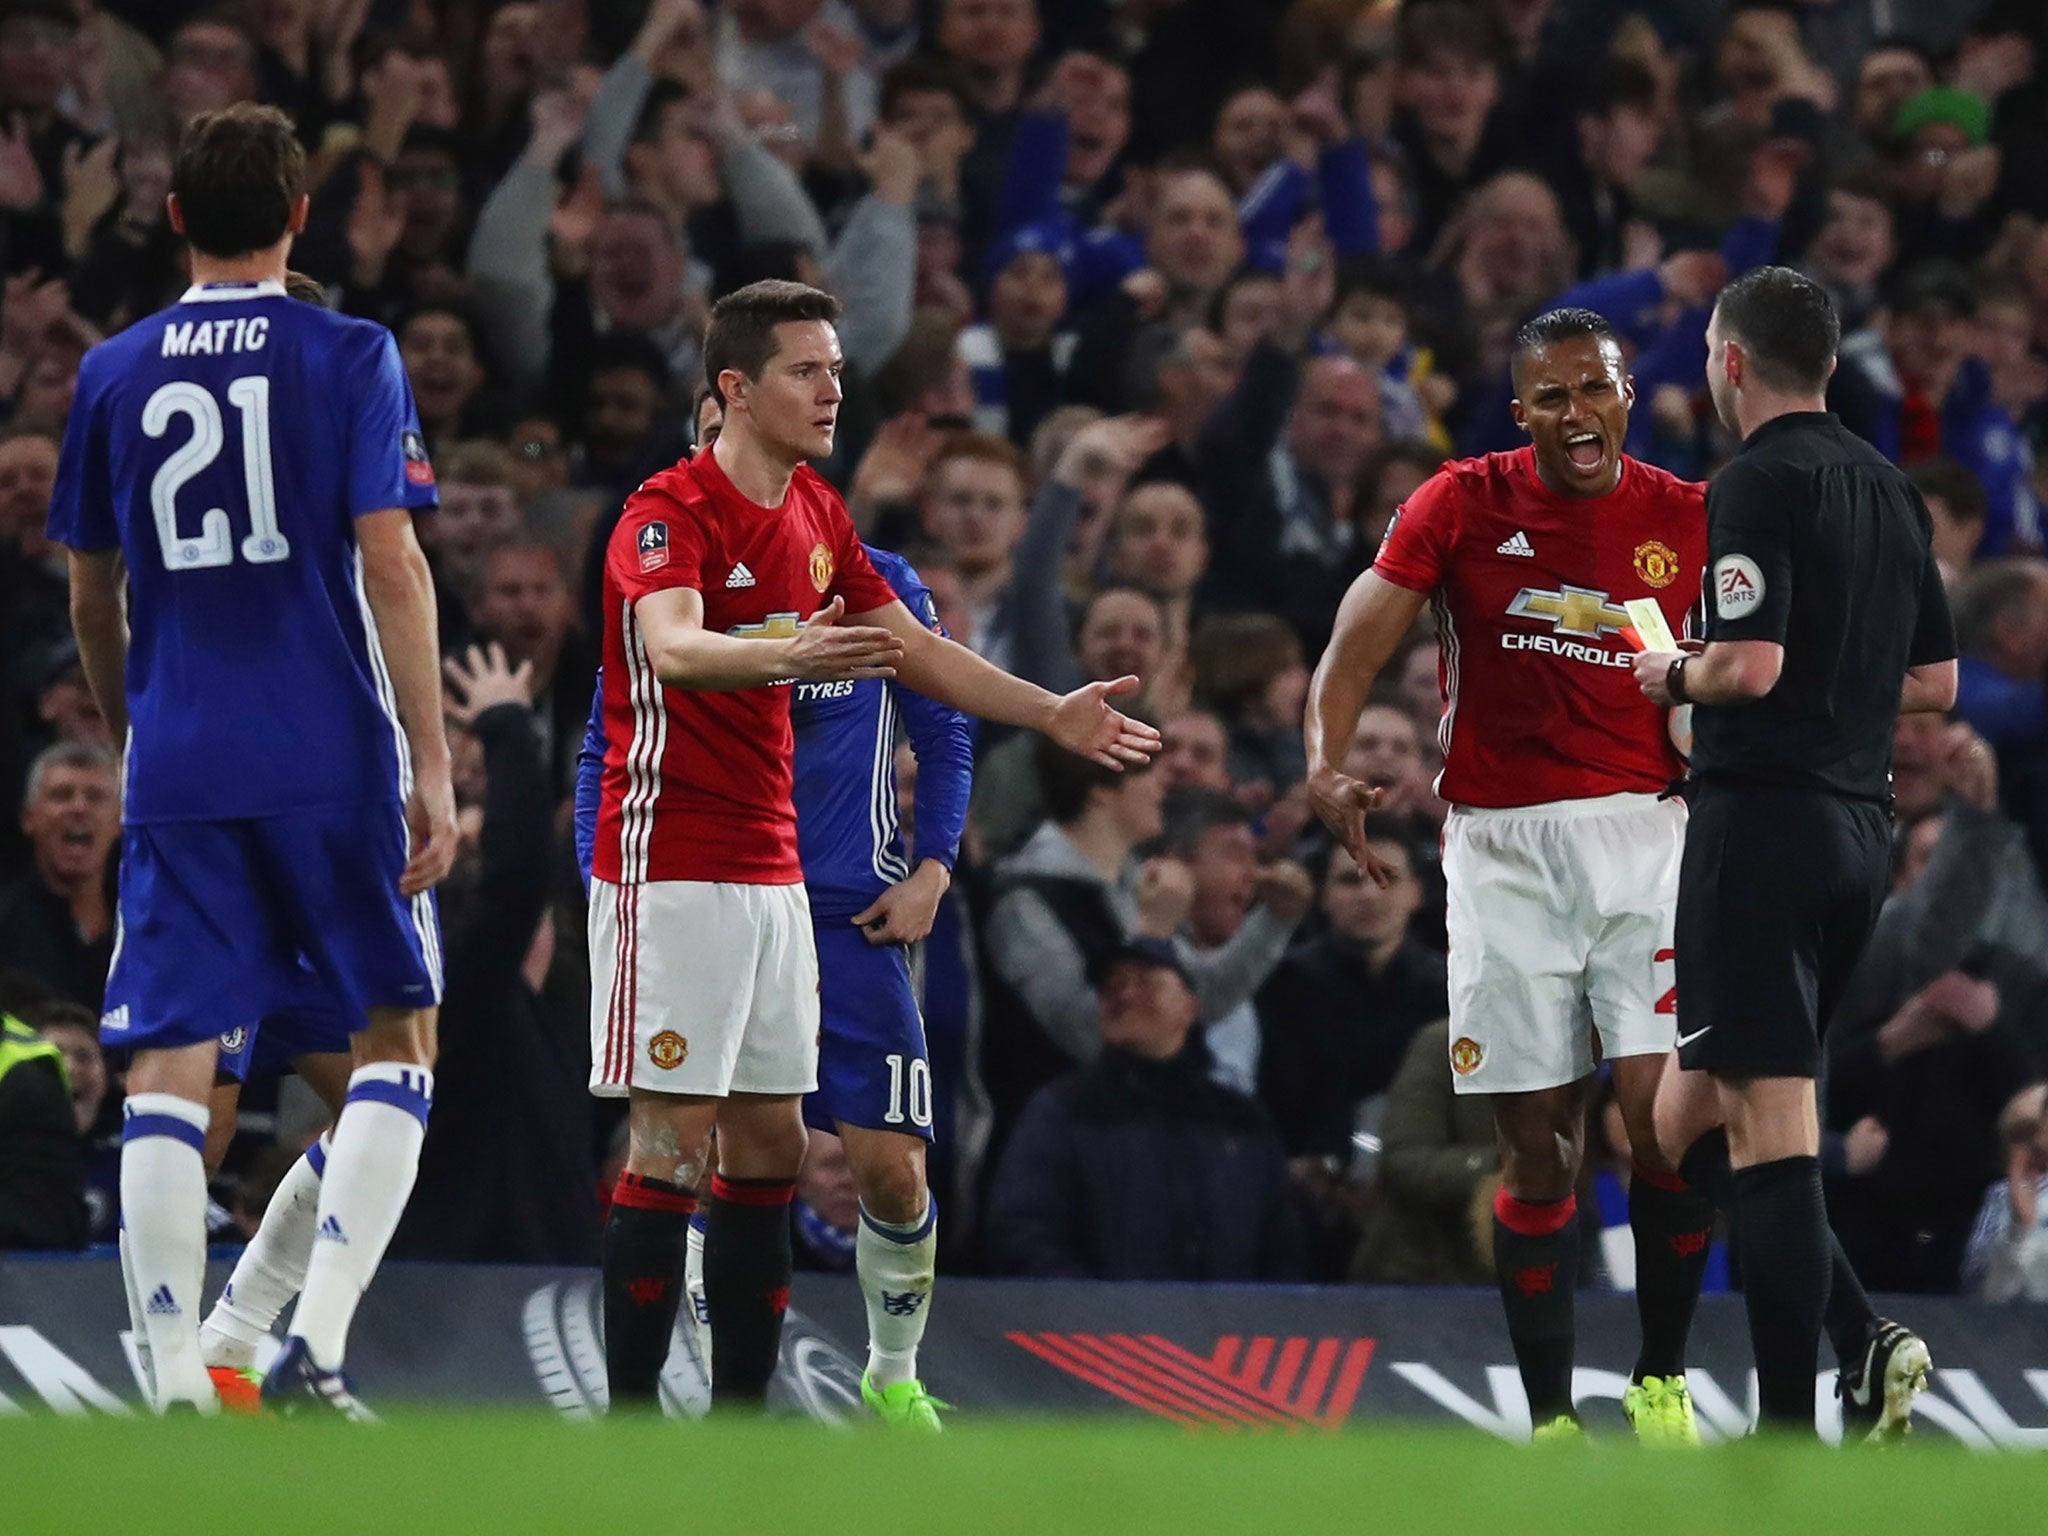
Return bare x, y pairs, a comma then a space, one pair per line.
667, 1050
821, 567
1657, 563
1466, 1054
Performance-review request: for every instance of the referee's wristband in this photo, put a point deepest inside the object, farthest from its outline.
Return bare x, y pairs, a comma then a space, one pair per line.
1674, 680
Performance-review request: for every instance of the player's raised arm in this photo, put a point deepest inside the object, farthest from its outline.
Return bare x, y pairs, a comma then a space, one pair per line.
400, 590
687, 655
1083, 721
1371, 622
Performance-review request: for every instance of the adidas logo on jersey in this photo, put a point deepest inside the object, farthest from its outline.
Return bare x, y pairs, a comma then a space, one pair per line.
330, 1229
740, 577
1518, 545
162, 1303
114, 1021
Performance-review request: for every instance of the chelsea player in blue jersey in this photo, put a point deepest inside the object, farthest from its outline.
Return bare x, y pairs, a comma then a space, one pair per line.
245, 467
868, 906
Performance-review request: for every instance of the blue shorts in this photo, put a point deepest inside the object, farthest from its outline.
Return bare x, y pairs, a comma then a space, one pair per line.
872, 1066
216, 918
309, 1023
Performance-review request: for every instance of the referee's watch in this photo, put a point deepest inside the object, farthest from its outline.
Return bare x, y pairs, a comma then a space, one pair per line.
1674, 680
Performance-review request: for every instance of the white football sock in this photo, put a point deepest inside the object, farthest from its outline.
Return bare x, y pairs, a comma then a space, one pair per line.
271, 1269
693, 1291
896, 1265
163, 1212
370, 1171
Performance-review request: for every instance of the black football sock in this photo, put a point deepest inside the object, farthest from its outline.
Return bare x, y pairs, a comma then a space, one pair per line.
1781, 1221
1536, 1256
1851, 1319
643, 1283
747, 1265
1673, 1225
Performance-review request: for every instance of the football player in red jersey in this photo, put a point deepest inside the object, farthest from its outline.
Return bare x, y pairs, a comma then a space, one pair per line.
728, 578
1561, 850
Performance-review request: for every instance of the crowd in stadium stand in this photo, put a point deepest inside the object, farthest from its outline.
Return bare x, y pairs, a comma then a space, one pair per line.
1155, 312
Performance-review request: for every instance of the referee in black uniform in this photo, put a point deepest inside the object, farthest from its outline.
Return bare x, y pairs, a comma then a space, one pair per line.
1825, 620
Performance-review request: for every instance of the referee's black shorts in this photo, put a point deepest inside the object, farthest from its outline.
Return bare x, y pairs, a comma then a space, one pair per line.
1777, 895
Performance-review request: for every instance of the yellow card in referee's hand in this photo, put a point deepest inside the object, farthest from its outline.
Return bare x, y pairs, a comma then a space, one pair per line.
1646, 618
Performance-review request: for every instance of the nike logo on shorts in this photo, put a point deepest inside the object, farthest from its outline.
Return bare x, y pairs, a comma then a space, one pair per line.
1684, 1040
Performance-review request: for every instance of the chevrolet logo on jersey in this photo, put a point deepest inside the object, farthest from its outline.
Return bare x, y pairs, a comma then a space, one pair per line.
1576, 611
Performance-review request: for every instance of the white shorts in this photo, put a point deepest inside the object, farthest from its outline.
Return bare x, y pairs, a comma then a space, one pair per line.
702, 987
1560, 920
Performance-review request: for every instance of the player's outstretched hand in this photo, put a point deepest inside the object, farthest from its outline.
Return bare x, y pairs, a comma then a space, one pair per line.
430, 818
487, 681
1341, 802
1084, 722
904, 913
826, 651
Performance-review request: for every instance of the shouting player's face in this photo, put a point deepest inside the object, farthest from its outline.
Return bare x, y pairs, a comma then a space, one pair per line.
793, 408
1573, 399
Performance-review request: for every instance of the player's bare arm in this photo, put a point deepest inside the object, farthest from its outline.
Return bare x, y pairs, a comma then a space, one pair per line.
400, 590
687, 655
99, 618
1929, 690
1371, 622
1726, 672
1084, 721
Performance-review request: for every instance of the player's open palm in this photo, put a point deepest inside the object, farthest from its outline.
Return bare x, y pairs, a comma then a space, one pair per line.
1340, 803
827, 651
430, 818
482, 679
1086, 723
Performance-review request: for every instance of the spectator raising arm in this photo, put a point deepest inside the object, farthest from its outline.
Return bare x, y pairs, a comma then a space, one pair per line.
509, 282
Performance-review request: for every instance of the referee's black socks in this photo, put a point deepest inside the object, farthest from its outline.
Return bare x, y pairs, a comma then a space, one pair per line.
1851, 1320
1536, 1256
643, 1283
1781, 1221
747, 1265
1673, 1224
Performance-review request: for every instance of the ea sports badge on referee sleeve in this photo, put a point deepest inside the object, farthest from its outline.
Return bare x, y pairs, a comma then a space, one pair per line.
1738, 586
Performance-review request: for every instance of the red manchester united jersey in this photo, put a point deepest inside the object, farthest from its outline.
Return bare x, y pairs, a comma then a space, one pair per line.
1540, 701
697, 784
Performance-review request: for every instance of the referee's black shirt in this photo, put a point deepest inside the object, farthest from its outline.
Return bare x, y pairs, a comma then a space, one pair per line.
1818, 542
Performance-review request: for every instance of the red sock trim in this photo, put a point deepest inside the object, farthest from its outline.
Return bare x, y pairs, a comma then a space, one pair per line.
1670, 1183
1531, 1219
752, 1191
644, 1194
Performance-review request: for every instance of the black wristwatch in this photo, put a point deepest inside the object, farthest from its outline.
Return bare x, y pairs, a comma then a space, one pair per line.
1674, 680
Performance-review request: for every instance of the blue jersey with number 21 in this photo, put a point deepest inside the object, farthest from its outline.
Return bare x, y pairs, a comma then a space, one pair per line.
225, 446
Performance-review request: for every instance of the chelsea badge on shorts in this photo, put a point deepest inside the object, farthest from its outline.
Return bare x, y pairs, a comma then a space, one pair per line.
821, 567
668, 1050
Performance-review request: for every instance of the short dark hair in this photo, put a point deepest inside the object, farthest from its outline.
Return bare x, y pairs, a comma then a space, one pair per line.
1956, 484
741, 335
1556, 325
620, 350
1786, 323
1066, 779
1616, 84
238, 175
58, 13
1189, 813
1449, 26
1989, 595
922, 76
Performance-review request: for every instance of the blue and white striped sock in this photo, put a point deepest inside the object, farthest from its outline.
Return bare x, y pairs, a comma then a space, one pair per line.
371, 1165
896, 1263
271, 1269
163, 1214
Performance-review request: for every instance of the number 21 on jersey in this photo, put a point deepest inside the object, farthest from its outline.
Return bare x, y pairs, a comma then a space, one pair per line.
265, 545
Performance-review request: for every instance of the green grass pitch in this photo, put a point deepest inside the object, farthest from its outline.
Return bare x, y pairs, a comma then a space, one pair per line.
498, 1474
